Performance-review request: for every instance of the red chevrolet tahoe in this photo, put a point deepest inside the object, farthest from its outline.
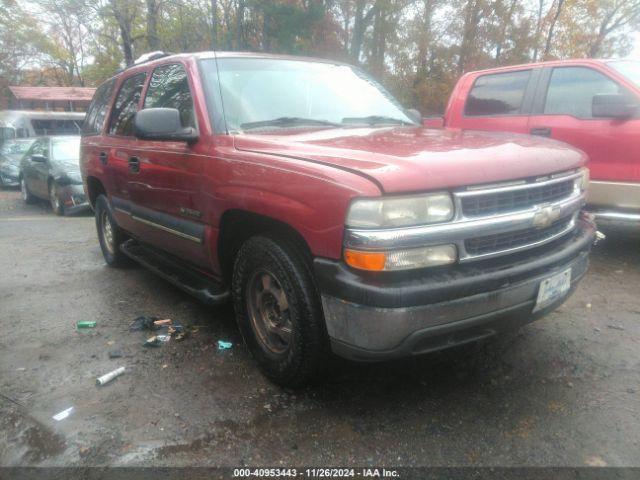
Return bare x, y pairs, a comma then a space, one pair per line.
593, 105
336, 222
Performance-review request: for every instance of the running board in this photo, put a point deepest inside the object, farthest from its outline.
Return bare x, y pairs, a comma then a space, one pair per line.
176, 272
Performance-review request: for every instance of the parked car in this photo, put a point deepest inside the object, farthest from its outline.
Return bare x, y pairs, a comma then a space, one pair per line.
335, 221
11, 152
27, 124
50, 170
593, 105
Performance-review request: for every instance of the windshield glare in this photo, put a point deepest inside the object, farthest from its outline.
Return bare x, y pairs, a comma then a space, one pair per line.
66, 150
629, 69
259, 90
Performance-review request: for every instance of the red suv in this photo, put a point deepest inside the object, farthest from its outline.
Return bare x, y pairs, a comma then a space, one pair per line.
593, 105
302, 189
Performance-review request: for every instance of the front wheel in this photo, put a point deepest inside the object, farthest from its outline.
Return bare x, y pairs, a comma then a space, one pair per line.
278, 309
54, 199
110, 234
27, 196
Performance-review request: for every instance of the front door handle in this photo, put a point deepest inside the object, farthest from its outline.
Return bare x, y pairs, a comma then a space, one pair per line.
103, 157
541, 131
134, 164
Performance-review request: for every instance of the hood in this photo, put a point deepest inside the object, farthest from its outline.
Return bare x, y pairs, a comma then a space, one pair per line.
408, 159
11, 159
66, 171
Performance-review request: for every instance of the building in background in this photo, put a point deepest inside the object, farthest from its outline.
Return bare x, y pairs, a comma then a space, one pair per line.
60, 99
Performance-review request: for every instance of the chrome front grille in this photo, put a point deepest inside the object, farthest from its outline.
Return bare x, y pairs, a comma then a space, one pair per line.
490, 220
510, 240
513, 200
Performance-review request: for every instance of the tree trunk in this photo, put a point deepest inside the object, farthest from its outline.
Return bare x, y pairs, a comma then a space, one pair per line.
214, 24
152, 25
240, 25
547, 47
124, 25
470, 31
538, 30
360, 24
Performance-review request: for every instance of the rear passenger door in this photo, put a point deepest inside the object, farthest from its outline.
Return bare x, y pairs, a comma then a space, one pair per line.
499, 101
121, 148
165, 192
563, 110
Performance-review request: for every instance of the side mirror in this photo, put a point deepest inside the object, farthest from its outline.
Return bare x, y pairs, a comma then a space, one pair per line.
613, 105
414, 115
162, 124
38, 158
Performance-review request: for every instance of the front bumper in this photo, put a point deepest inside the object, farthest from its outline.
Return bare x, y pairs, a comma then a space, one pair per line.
73, 198
9, 179
383, 316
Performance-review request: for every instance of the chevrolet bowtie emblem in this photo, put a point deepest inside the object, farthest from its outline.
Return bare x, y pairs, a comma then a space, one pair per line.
545, 216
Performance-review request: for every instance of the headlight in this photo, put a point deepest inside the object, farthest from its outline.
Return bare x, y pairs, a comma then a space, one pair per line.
401, 259
582, 182
400, 211
10, 169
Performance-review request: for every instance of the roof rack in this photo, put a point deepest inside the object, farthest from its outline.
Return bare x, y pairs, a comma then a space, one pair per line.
147, 57
144, 58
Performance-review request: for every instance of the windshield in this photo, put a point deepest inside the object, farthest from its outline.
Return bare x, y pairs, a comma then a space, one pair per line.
628, 68
66, 149
260, 93
15, 147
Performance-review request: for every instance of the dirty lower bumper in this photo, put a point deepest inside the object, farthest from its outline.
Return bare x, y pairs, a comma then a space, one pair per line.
391, 316
73, 198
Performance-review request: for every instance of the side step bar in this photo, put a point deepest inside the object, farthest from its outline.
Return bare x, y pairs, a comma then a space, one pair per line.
176, 272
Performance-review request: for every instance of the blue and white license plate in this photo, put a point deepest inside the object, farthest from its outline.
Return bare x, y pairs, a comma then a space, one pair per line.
553, 288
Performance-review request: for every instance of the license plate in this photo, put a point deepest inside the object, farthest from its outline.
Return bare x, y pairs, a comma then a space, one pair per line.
553, 288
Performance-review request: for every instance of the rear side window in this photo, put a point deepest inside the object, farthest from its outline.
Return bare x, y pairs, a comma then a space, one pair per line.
571, 91
126, 105
169, 88
97, 112
497, 94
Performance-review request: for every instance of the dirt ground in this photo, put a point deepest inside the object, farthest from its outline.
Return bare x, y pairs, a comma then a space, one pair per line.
564, 391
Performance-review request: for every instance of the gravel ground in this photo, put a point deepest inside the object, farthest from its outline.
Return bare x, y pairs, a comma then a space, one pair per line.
564, 391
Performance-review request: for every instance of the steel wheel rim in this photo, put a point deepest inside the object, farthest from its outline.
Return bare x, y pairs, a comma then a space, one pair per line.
53, 198
269, 312
107, 231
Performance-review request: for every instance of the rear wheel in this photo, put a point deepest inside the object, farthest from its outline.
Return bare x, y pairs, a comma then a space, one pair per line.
110, 234
24, 190
54, 199
278, 309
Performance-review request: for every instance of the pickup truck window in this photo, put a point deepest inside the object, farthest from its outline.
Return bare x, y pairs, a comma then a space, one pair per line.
97, 112
261, 93
169, 88
571, 91
126, 105
629, 68
497, 94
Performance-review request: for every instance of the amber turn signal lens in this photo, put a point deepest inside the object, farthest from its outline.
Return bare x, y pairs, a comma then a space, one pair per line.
373, 261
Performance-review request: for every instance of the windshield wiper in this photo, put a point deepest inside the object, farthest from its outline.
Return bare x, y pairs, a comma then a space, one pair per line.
288, 122
376, 120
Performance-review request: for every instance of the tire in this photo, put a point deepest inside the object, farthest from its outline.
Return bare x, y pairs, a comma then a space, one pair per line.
27, 196
293, 350
110, 234
56, 205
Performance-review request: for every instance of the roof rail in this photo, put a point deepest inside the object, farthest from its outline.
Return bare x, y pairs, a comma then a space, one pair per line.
147, 57
144, 58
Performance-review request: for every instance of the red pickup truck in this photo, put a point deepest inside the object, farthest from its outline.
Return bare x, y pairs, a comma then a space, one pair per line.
593, 105
335, 221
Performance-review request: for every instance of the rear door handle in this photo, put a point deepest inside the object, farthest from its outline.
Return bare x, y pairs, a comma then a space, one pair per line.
103, 157
134, 164
541, 131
